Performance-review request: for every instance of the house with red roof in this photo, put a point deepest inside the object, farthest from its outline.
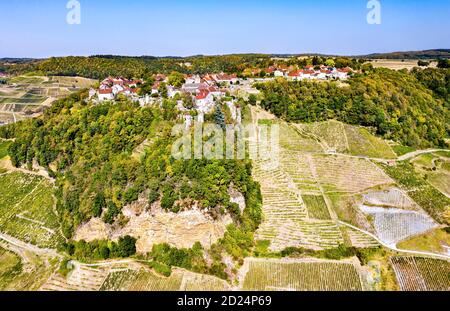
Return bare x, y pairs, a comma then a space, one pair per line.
105, 94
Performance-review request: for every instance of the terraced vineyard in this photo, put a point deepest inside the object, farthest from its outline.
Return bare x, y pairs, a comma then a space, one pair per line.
317, 207
343, 138
290, 139
26, 96
80, 279
394, 225
330, 134
392, 197
362, 143
347, 174
144, 280
270, 275
27, 210
287, 222
295, 193
422, 274
359, 239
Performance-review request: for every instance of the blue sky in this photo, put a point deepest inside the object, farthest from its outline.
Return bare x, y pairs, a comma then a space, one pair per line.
32, 28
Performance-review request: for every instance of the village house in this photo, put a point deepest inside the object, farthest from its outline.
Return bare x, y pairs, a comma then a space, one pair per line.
193, 79
105, 94
278, 73
225, 78
111, 87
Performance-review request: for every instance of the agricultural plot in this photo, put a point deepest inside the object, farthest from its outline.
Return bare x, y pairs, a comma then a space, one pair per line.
329, 134
80, 279
144, 280
419, 189
394, 225
436, 168
276, 275
297, 166
25, 96
363, 143
286, 220
441, 181
283, 233
317, 207
348, 174
292, 139
361, 240
26, 210
422, 274
391, 197
334, 136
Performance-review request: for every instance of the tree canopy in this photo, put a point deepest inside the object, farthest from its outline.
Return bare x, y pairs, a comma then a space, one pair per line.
411, 108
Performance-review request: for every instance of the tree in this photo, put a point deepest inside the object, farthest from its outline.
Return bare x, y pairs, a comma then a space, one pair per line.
99, 204
219, 117
330, 62
443, 63
422, 63
252, 99
188, 102
176, 79
126, 246
162, 90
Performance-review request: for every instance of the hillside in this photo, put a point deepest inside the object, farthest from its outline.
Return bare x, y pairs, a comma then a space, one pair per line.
396, 104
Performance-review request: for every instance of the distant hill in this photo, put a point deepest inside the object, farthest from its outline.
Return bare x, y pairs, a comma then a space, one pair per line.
426, 54
12, 60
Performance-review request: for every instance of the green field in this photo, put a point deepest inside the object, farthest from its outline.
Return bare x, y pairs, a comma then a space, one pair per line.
317, 208
26, 210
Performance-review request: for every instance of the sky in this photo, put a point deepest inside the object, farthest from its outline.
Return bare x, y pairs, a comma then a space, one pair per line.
39, 29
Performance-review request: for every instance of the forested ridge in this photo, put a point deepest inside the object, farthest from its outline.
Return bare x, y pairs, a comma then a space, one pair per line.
99, 67
89, 151
411, 108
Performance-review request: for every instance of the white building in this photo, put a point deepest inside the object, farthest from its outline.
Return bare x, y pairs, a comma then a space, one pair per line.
278, 73
106, 94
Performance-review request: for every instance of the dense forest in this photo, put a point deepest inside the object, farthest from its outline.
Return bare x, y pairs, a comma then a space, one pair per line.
411, 108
